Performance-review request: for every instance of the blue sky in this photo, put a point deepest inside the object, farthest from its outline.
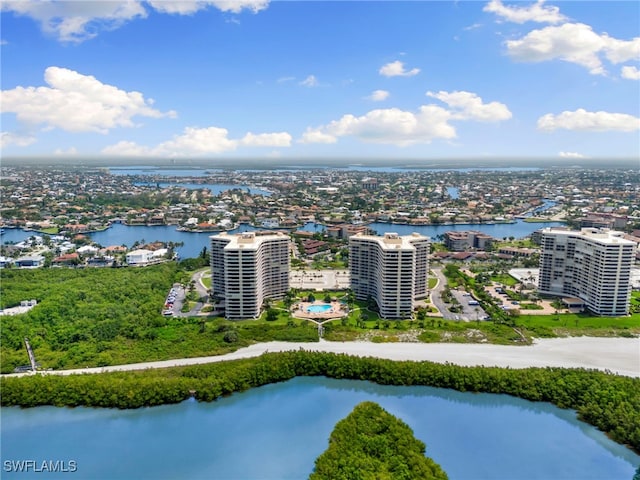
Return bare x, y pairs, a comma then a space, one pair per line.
297, 79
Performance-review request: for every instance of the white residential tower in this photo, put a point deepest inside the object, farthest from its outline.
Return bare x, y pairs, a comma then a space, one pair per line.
392, 269
246, 269
591, 264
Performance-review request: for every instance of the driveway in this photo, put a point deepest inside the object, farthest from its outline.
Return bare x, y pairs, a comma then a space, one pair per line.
436, 293
469, 312
201, 290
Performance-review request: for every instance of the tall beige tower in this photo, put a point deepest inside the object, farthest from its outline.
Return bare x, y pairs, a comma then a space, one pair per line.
391, 269
591, 264
247, 268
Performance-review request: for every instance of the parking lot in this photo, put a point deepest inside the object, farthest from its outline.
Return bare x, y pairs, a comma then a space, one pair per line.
174, 300
471, 309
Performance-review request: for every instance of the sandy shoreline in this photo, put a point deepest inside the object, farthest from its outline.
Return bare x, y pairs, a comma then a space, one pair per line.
618, 355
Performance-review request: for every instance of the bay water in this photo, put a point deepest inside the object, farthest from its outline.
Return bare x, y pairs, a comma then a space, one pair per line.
277, 431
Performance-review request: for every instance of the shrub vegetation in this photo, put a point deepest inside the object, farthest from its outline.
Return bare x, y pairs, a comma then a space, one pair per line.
608, 401
372, 444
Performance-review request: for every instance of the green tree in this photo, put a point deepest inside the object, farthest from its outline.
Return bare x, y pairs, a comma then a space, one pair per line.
370, 444
271, 315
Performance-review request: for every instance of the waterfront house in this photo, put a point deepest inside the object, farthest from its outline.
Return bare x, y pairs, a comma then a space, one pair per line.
30, 261
139, 257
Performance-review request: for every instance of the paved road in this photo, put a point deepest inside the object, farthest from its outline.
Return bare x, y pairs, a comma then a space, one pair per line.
618, 355
436, 299
202, 291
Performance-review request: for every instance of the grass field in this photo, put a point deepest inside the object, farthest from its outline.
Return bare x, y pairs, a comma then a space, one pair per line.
504, 279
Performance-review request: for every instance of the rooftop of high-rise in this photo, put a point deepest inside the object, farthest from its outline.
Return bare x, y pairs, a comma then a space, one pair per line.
599, 235
390, 240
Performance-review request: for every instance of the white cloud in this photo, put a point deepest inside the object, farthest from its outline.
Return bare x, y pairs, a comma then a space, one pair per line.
9, 138
77, 103
472, 27
77, 21
618, 51
285, 79
584, 121
571, 155
378, 95
310, 81
317, 136
188, 7
390, 126
281, 139
63, 152
469, 106
126, 149
4, 42
402, 128
396, 69
537, 12
198, 142
574, 43
630, 73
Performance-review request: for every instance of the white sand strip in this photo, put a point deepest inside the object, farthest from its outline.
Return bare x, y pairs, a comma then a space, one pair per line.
618, 355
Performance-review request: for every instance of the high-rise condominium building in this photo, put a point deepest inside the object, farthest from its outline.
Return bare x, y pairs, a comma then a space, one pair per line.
246, 269
591, 264
392, 269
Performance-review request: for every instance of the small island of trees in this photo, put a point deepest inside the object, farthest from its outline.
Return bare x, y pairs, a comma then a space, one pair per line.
372, 444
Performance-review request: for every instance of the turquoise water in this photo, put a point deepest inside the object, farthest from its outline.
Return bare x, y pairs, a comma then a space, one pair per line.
319, 308
277, 431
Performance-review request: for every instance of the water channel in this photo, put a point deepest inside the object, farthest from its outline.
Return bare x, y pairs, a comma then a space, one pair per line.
277, 431
194, 242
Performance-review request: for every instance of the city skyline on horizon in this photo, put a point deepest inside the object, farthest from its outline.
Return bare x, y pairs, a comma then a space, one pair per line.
281, 81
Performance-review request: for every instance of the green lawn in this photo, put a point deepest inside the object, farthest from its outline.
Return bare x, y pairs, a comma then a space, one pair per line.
504, 279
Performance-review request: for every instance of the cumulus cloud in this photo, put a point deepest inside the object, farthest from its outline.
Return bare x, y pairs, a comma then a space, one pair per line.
574, 43
77, 103
310, 81
77, 21
396, 69
378, 95
536, 12
317, 136
618, 51
281, 139
9, 138
63, 152
571, 155
402, 128
391, 126
630, 73
469, 106
582, 120
194, 141
127, 149
188, 7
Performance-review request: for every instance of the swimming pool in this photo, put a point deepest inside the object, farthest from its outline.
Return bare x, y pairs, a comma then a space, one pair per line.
319, 308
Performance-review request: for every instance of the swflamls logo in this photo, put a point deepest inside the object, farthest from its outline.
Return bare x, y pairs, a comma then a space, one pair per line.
49, 466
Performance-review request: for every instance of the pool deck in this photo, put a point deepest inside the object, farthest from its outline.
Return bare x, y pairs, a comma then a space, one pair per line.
335, 311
